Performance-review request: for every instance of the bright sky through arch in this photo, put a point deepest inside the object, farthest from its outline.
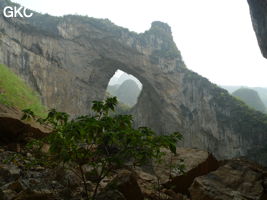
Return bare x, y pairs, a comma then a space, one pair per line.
215, 37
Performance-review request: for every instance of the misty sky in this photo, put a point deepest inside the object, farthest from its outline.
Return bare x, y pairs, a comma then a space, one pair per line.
215, 37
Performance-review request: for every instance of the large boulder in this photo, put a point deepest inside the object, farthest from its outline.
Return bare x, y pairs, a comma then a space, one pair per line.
190, 158
14, 130
123, 186
196, 162
236, 179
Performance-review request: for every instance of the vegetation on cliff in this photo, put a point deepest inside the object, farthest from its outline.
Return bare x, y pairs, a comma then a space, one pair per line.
15, 92
247, 123
244, 119
251, 98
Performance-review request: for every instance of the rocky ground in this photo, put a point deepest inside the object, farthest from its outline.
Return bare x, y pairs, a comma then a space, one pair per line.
205, 178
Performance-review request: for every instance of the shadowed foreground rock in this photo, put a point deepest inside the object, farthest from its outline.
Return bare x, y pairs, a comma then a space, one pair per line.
197, 163
236, 179
13, 130
123, 186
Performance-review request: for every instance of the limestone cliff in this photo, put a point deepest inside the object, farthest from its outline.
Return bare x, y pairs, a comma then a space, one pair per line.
258, 11
69, 60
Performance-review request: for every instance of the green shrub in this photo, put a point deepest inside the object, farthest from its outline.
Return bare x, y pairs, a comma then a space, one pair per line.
103, 142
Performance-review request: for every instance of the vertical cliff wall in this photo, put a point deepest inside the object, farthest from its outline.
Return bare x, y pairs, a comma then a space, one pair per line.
70, 60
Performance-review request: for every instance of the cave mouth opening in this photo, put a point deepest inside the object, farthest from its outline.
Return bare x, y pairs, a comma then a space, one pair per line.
126, 88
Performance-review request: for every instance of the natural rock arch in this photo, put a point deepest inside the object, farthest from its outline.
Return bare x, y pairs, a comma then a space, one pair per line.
148, 99
69, 61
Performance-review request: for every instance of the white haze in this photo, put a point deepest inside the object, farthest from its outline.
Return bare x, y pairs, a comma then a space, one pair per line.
120, 76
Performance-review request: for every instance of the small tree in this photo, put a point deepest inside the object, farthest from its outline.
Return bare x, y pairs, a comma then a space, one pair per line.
103, 142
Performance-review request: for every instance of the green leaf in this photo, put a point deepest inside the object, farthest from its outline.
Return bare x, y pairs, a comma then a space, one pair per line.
102, 141
172, 148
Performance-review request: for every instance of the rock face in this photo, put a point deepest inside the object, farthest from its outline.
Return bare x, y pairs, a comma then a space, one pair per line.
258, 11
235, 180
70, 60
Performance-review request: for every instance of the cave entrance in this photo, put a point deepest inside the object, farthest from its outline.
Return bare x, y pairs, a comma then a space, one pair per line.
126, 88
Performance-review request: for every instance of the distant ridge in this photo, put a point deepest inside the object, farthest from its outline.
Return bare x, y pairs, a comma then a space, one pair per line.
262, 92
251, 98
127, 92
